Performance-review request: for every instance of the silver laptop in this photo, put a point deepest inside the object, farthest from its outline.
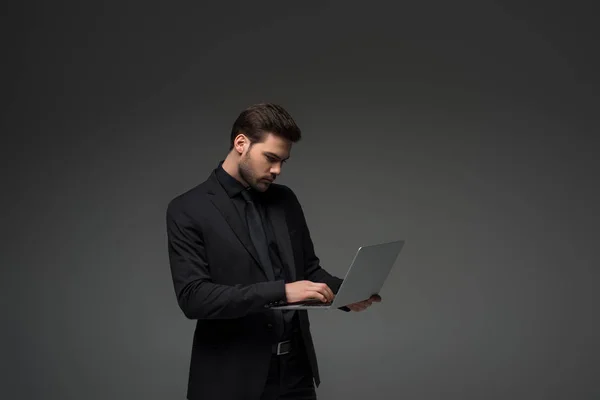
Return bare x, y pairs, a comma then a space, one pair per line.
365, 277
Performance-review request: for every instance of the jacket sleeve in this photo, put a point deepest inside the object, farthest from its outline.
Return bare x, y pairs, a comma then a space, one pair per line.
199, 297
312, 264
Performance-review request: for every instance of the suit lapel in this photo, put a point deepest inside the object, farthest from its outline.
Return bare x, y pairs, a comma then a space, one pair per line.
223, 203
276, 214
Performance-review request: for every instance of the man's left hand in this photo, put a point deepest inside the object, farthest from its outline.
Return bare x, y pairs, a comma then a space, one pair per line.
363, 305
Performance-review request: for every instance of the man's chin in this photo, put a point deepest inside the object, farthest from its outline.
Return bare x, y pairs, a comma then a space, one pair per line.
263, 185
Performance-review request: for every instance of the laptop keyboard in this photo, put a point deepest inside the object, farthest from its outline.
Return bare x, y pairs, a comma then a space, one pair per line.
315, 303
312, 303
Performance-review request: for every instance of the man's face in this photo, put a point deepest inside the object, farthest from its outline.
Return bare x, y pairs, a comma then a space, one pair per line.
261, 163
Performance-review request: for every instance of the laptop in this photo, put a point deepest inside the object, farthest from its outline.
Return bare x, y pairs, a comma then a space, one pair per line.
365, 277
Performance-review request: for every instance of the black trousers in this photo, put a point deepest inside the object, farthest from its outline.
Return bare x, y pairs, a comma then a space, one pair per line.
290, 375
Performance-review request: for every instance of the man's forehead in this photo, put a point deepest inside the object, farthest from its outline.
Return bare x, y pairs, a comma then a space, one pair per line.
275, 139
276, 144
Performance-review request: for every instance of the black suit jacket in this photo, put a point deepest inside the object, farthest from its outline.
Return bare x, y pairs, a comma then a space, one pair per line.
219, 283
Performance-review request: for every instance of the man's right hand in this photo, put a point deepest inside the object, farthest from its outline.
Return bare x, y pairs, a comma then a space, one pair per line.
307, 290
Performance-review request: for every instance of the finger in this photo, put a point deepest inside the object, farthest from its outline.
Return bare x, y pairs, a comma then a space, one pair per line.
331, 294
327, 291
313, 294
321, 293
331, 291
376, 298
324, 289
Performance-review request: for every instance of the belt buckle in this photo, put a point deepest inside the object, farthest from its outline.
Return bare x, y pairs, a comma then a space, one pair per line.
279, 352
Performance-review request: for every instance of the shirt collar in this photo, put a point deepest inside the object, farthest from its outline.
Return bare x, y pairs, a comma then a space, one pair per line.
232, 186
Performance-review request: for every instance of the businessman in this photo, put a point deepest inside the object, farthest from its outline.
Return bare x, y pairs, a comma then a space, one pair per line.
238, 243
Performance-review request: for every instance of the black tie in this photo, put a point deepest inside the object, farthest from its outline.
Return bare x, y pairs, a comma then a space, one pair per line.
257, 231
259, 238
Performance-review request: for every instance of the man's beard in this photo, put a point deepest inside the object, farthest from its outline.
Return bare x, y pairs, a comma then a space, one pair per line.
245, 172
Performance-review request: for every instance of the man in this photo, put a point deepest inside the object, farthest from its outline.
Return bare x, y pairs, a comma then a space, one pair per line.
238, 243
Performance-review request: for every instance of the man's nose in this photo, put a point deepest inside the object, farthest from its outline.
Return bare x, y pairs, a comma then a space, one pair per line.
275, 170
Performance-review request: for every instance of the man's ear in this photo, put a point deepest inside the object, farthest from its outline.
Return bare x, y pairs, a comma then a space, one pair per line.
241, 143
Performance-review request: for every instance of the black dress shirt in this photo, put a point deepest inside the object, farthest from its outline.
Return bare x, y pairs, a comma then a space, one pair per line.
286, 320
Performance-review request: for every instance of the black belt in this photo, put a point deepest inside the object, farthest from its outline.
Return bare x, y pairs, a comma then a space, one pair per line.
285, 346
281, 348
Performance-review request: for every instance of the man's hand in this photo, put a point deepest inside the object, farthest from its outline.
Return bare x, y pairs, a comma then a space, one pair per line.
307, 290
363, 305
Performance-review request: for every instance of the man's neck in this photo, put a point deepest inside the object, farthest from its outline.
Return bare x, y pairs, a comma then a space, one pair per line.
231, 167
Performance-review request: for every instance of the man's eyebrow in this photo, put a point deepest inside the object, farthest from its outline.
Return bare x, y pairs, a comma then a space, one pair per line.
275, 155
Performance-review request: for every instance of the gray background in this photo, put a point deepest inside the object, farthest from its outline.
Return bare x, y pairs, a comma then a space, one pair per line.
466, 129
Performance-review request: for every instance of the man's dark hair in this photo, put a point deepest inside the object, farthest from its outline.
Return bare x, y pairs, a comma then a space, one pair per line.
259, 119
